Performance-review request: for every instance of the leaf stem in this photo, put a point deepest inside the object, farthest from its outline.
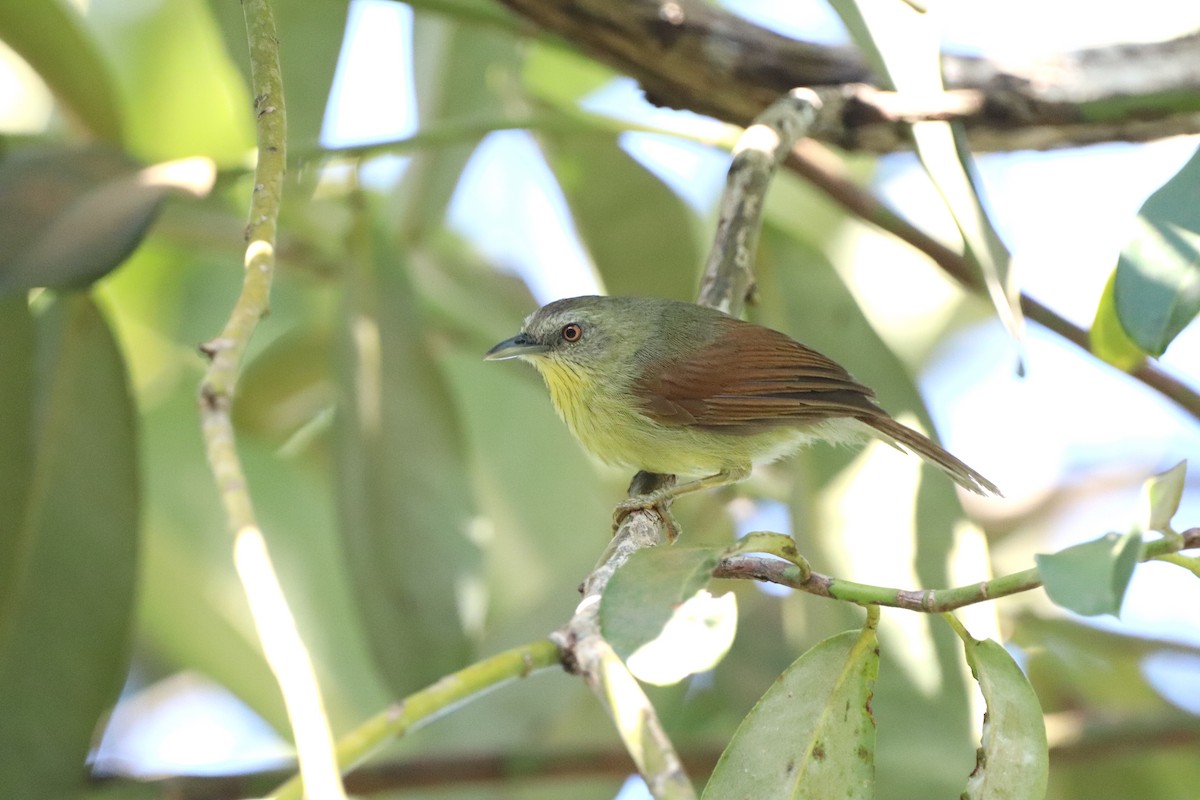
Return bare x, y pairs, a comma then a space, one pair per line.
931, 601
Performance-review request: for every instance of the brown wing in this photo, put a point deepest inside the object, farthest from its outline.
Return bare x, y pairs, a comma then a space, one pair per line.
750, 378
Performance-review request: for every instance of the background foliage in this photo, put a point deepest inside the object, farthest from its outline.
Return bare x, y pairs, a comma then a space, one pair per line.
425, 508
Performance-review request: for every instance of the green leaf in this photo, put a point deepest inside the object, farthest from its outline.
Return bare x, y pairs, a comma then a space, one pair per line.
53, 37
1108, 337
181, 94
640, 234
403, 494
659, 618
1079, 668
904, 46
1013, 761
1091, 578
456, 67
562, 77
67, 598
17, 402
811, 735
69, 217
1156, 287
287, 386
1160, 497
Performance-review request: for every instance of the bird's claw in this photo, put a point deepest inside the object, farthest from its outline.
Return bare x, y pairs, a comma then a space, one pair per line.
647, 503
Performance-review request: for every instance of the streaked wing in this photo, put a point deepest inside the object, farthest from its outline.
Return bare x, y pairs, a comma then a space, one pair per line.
749, 379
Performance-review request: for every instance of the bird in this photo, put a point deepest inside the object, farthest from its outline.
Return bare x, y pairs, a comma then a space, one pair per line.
675, 388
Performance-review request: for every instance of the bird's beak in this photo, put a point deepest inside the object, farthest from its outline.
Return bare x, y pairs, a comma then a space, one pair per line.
517, 347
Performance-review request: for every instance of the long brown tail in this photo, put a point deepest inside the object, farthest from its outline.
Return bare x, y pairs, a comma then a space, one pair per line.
908, 439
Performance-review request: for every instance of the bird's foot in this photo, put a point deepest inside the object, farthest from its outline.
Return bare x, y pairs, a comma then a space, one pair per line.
648, 502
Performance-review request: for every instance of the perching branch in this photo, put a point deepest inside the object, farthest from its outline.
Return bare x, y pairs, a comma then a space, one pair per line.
589, 655
933, 601
724, 285
284, 650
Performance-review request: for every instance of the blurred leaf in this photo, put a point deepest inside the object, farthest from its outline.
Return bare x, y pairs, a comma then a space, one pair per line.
69, 217
904, 45
17, 402
1108, 337
192, 611
1091, 578
1077, 667
1156, 287
562, 77
287, 386
461, 72
65, 607
1119, 723
545, 512
403, 494
1160, 497
181, 94
1012, 763
53, 37
311, 38
640, 234
811, 735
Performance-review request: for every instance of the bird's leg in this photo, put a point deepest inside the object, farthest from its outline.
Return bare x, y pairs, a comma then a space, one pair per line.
658, 497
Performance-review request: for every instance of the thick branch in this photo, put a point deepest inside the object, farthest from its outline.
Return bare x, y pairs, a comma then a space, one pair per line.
692, 55
933, 601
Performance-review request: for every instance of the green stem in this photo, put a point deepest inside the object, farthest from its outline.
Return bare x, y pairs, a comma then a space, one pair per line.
283, 648
1190, 563
431, 703
931, 601
456, 131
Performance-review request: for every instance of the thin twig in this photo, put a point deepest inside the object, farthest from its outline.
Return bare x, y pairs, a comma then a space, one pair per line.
432, 702
932, 601
284, 650
760, 149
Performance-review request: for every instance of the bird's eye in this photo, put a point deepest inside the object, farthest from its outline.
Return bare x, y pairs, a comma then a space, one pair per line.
572, 332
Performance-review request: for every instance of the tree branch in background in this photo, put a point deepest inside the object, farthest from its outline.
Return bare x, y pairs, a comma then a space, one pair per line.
824, 169
284, 650
692, 55
1081, 740
933, 601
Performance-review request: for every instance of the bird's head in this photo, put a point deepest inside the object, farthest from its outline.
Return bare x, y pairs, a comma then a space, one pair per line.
587, 335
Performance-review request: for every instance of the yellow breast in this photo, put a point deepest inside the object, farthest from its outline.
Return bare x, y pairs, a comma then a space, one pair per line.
578, 405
